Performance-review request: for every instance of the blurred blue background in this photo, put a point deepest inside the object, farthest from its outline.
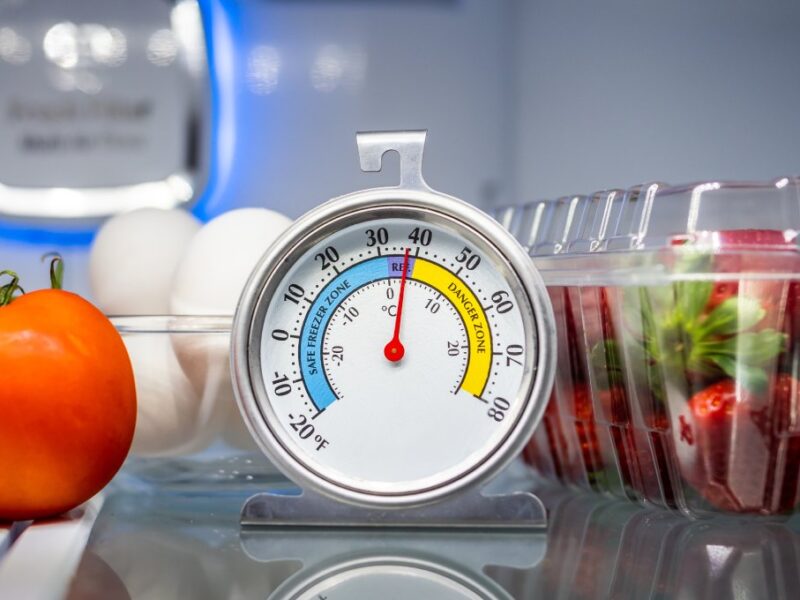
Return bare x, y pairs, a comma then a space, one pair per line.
523, 99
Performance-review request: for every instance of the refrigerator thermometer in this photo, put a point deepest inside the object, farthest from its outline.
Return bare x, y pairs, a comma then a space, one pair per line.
395, 346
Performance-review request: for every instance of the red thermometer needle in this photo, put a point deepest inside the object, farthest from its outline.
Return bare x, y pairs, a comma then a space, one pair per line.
394, 350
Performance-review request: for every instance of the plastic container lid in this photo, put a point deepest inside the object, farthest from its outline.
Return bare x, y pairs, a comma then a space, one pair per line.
653, 215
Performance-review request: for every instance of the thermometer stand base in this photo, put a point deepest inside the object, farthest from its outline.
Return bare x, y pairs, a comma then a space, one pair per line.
470, 511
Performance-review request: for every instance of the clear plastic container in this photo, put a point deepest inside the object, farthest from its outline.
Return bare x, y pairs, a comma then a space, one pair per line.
189, 433
678, 324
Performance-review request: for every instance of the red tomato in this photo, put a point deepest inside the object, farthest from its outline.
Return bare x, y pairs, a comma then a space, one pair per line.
67, 403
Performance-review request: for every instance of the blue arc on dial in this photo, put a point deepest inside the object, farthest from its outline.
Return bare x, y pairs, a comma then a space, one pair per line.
321, 311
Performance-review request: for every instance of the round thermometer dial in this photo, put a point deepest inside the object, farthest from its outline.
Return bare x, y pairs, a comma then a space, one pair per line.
407, 577
393, 350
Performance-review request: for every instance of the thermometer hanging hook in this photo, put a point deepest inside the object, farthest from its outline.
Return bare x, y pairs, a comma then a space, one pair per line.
409, 145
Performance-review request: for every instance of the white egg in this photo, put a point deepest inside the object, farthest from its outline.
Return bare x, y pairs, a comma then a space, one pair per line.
209, 280
235, 432
204, 358
132, 263
220, 258
171, 418
133, 259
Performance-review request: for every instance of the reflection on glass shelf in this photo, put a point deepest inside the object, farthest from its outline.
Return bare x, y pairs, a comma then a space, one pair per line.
600, 548
413, 564
173, 546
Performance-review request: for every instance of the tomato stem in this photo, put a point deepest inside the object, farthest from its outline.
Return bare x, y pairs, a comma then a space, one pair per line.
8, 291
56, 270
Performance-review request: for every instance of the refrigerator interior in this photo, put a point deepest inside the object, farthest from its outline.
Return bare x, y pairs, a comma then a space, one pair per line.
523, 100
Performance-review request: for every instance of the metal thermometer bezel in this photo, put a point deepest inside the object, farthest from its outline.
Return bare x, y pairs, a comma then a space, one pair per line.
333, 571
334, 215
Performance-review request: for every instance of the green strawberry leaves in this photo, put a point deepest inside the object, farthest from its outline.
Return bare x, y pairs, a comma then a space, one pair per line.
744, 356
751, 378
732, 316
722, 341
693, 339
755, 347
605, 362
691, 298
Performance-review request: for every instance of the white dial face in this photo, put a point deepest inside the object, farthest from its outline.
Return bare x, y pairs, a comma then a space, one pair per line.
394, 354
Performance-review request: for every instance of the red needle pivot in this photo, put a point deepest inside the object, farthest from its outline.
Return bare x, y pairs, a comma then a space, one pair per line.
394, 350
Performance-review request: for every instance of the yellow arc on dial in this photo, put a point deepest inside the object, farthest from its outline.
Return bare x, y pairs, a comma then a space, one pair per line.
473, 315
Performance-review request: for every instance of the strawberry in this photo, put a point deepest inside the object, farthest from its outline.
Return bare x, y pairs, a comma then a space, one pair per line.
606, 439
639, 455
548, 450
722, 291
605, 416
723, 337
738, 238
736, 447
741, 251
555, 448
585, 430
688, 335
541, 453
566, 452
